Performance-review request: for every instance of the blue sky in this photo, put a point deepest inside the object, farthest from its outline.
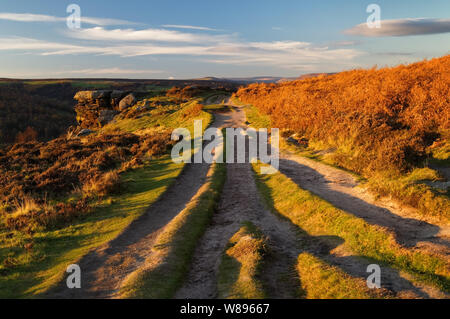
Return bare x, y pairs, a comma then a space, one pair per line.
188, 39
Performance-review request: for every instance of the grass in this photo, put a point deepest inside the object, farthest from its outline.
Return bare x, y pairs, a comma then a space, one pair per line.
256, 119
217, 107
27, 205
29, 273
410, 189
175, 246
175, 118
316, 217
441, 153
241, 265
320, 280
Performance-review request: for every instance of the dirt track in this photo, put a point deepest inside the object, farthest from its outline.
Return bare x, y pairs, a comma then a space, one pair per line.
241, 202
105, 268
340, 188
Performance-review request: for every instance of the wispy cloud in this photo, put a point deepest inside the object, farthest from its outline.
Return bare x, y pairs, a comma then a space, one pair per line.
402, 27
109, 71
129, 35
285, 54
190, 27
31, 17
28, 17
85, 73
105, 21
171, 39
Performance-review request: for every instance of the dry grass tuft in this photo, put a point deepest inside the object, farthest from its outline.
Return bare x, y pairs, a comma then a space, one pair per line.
241, 265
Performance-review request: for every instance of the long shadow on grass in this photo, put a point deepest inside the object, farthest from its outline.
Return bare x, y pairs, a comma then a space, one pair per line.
355, 266
408, 231
16, 280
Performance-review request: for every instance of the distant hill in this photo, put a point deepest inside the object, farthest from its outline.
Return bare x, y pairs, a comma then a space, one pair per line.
262, 79
313, 75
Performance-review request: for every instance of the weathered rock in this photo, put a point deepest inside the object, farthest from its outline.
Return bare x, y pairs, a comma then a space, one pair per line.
87, 117
98, 108
293, 139
88, 96
106, 116
127, 102
116, 97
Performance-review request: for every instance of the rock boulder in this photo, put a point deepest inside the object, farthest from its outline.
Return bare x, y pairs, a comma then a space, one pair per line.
127, 101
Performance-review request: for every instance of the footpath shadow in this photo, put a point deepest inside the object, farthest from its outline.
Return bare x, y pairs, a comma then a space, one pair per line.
321, 247
408, 231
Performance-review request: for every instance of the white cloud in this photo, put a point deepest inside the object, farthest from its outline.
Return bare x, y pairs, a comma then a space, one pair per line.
31, 17
19, 43
191, 27
286, 54
105, 21
402, 27
109, 71
280, 45
28, 17
130, 35
84, 73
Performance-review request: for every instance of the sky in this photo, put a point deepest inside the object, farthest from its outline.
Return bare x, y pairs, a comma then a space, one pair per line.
198, 38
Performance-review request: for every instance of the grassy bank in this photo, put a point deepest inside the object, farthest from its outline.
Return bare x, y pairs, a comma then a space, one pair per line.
412, 188
316, 217
241, 265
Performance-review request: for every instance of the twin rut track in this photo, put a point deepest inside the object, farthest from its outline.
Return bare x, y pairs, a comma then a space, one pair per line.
104, 269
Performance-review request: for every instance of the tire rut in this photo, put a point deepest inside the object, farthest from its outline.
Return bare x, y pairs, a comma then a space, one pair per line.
240, 202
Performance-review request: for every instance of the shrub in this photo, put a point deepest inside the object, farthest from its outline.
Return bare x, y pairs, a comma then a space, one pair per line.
31, 216
103, 185
376, 119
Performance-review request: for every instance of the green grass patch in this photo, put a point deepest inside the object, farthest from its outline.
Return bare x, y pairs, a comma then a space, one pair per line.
27, 273
164, 117
410, 189
241, 265
441, 151
317, 217
217, 107
256, 119
320, 280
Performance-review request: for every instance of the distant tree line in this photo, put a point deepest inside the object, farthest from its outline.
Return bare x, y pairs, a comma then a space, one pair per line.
30, 112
